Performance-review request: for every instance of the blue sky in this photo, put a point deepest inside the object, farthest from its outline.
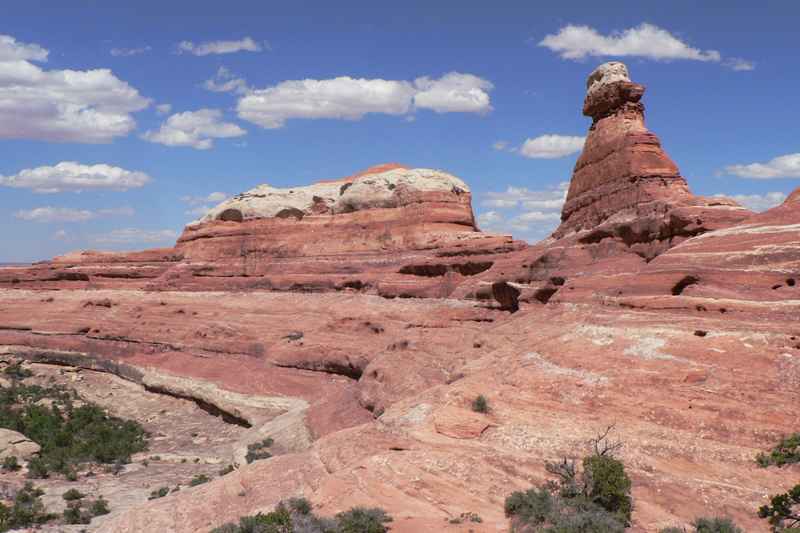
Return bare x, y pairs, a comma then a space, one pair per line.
120, 158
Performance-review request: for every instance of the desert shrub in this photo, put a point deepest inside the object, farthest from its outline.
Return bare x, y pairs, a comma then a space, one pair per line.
786, 452
467, 517
199, 480
257, 450
10, 464
672, 530
363, 520
595, 500
99, 507
716, 525
67, 435
159, 493
783, 511
480, 404
73, 494
27, 510
295, 516
608, 485
75, 514
227, 470
37, 468
17, 371
299, 505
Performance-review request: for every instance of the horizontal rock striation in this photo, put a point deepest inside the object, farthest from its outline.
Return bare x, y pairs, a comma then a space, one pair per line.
392, 231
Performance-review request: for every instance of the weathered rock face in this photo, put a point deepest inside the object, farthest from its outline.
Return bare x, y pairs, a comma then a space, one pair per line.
627, 204
673, 316
392, 231
624, 184
14, 444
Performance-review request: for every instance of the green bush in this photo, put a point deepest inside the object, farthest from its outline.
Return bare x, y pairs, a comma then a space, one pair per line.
74, 514
786, 452
67, 435
99, 507
73, 494
295, 516
783, 511
199, 480
363, 520
608, 485
17, 371
480, 404
257, 450
160, 493
596, 500
10, 464
716, 525
28, 510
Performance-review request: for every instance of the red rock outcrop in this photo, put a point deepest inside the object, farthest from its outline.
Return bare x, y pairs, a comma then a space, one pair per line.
627, 204
390, 230
673, 316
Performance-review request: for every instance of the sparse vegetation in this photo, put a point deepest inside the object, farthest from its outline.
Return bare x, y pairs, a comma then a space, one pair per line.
199, 480
783, 511
11, 464
786, 452
595, 500
28, 510
466, 517
258, 450
159, 493
72, 495
227, 470
68, 435
17, 371
99, 507
480, 404
716, 525
295, 515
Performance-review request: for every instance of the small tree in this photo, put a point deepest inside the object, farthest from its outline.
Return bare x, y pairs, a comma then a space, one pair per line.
783, 511
480, 404
595, 500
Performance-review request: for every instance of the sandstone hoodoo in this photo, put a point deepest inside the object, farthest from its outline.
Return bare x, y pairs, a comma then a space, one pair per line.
274, 352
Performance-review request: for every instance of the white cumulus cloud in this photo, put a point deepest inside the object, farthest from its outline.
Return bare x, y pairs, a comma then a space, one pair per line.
453, 93
551, 146
68, 214
136, 236
196, 129
246, 44
343, 98
163, 109
90, 106
739, 64
72, 176
646, 40
224, 81
757, 202
351, 98
127, 52
524, 213
785, 166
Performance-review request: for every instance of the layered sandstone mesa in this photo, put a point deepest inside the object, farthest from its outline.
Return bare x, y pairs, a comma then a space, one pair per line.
389, 230
624, 184
394, 231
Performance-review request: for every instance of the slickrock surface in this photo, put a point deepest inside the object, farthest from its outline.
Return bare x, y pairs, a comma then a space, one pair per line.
672, 316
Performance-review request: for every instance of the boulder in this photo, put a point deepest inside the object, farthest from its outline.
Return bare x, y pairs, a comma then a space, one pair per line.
17, 445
